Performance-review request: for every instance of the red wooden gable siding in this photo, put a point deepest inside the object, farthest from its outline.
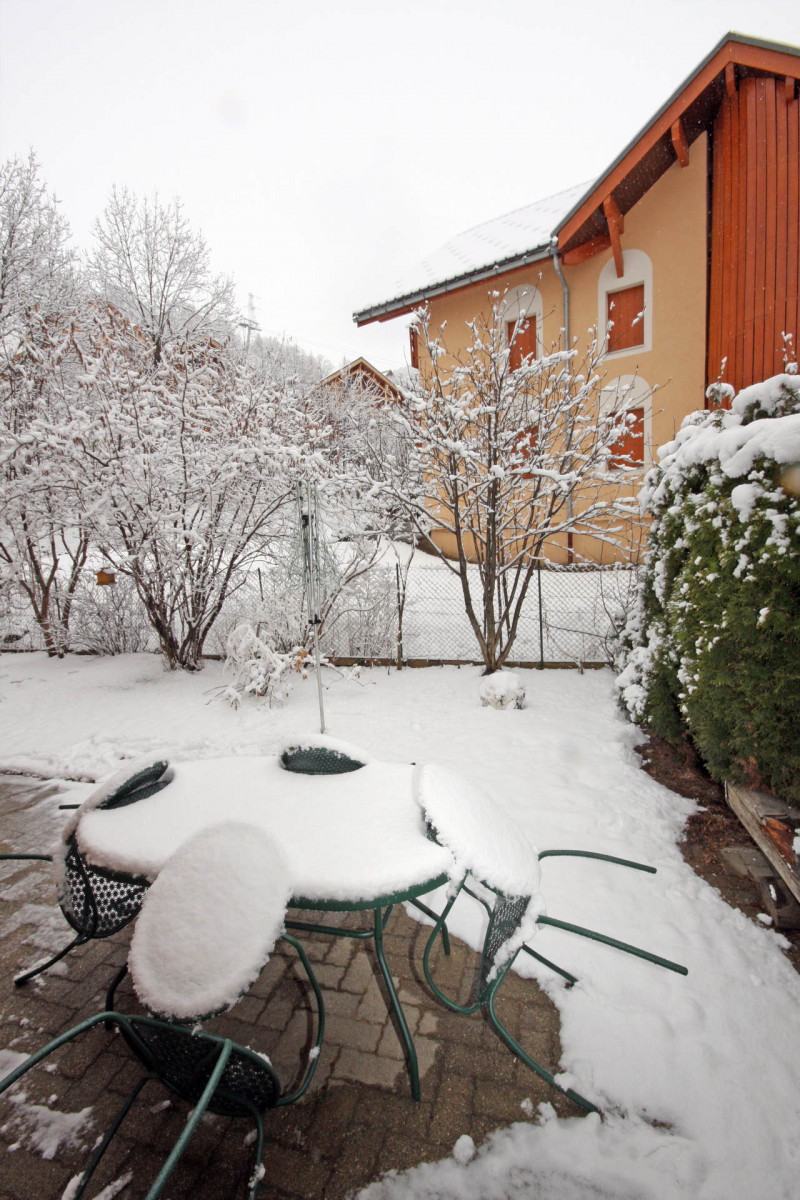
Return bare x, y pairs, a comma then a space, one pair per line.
625, 310
755, 231
524, 344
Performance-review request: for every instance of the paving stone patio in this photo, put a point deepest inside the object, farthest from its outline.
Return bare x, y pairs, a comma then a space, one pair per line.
357, 1121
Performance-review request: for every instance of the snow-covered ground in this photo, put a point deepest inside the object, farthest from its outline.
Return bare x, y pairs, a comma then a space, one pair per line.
697, 1076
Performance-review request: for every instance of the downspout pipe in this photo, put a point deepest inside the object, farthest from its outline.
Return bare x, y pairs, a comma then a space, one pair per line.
565, 290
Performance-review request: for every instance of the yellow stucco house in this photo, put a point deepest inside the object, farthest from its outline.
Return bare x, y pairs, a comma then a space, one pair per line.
695, 225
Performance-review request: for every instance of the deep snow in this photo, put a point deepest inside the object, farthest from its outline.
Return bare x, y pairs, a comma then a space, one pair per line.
698, 1076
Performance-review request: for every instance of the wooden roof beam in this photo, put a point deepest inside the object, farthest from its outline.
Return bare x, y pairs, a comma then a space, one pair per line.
679, 142
730, 79
616, 225
581, 254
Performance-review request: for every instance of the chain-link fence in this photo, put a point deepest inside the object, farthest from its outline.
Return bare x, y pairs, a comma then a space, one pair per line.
569, 616
412, 613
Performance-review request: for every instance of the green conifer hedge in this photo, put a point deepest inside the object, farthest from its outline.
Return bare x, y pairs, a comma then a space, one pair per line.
712, 648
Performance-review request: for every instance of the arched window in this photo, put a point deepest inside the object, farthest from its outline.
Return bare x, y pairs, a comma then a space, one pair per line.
625, 306
521, 313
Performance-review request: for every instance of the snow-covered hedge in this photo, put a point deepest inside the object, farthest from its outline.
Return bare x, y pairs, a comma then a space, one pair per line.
712, 647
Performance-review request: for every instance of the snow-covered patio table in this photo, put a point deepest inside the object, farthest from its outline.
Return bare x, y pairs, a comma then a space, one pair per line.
354, 841
351, 838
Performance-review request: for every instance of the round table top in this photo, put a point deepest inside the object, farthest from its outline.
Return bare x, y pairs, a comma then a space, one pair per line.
348, 837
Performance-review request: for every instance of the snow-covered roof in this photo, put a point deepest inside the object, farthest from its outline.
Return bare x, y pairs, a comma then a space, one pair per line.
524, 231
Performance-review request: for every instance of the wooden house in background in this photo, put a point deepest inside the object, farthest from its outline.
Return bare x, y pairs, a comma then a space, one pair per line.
695, 225
362, 376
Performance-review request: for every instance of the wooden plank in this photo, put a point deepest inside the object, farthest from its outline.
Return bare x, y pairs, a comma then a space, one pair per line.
781, 233
716, 291
759, 290
733, 247
793, 221
771, 336
745, 374
740, 153
752, 808
727, 299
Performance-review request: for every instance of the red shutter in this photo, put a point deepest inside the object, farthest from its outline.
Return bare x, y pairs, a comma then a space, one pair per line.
413, 337
526, 444
623, 309
628, 450
524, 344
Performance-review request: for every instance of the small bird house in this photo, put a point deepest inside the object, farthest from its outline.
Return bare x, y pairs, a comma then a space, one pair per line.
105, 578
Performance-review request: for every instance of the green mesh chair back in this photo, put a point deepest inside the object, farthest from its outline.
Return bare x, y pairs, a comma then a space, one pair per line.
184, 1062
97, 902
318, 760
504, 921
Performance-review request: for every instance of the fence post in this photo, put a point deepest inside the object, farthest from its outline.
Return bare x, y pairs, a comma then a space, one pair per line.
541, 621
399, 618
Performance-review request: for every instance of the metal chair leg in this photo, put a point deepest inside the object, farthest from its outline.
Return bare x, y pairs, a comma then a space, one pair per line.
541, 1071
609, 941
26, 857
571, 979
434, 917
115, 982
258, 1157
405, 1033
21, 980
194, 1120
108, 1137
611, 858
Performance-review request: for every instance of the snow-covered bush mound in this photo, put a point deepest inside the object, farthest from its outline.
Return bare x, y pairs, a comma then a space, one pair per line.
503, 689
713, 646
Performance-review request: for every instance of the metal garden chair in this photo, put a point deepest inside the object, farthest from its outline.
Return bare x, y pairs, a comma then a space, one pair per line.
96, 902
505, 917
211, 1074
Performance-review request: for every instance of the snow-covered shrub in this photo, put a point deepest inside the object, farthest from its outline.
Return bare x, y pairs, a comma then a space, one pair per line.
109, 620
502, 689
258, 668
712, 647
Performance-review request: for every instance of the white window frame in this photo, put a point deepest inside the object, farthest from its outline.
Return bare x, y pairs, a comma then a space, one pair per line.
621, 395
637, 269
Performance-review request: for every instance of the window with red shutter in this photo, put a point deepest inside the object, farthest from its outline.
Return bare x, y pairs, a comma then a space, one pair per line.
624, 309
526, 444
628, 450
523, 346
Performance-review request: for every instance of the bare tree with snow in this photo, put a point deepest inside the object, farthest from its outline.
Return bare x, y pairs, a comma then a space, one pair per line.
509, 459
43, 543
153, 267
191, 459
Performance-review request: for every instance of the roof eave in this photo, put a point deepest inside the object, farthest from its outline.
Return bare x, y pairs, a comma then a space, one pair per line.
411, 300
729, 40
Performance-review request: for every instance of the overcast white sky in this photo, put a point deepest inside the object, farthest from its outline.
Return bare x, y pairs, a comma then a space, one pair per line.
323, 148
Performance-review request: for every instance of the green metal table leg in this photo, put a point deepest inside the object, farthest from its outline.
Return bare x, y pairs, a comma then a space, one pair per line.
405, 1034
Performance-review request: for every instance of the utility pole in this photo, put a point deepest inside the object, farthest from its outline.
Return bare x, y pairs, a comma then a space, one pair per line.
250, 324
